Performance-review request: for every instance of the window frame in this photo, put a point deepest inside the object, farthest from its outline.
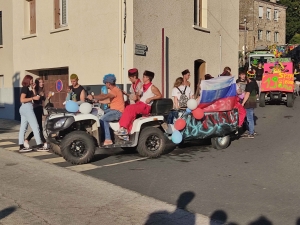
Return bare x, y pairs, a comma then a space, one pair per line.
58, 14
276, 14
268, 35
1, 29
260, 35
276, 36
268, 13
260, 12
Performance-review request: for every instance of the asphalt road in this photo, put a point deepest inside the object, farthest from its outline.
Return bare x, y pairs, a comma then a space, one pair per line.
253, 181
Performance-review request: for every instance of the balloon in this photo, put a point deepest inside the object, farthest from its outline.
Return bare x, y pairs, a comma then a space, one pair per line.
176, 137
198, 113
85, 108
192, 104
72, 106
188, 110
180, 124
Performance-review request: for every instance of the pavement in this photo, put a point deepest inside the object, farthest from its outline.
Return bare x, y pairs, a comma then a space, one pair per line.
38, 192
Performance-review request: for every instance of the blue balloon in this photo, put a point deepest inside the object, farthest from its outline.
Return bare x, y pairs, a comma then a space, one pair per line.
176, 137
188, 110
72, 106
104, 91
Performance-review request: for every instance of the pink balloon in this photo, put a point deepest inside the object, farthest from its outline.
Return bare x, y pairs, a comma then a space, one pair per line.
198, 113
180, 124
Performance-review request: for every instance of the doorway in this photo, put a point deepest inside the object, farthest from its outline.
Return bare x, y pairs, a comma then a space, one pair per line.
57, 81
199, 72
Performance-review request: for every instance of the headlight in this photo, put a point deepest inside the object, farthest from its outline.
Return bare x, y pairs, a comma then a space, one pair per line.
60, 123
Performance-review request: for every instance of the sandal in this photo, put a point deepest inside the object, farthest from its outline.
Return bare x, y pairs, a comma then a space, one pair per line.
107, 142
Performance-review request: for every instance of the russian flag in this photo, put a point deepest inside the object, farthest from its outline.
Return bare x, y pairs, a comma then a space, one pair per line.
218, 94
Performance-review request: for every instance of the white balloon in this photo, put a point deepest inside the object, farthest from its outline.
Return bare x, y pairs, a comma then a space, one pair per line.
192, 104
85, 108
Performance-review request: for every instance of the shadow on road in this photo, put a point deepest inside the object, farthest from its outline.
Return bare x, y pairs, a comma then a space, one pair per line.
165, 217
7, 211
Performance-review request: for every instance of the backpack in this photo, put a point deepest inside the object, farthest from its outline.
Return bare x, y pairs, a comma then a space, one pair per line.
183, 98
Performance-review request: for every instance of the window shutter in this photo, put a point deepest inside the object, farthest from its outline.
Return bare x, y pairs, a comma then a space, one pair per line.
56, 14
1, 40
200, 13
32, 17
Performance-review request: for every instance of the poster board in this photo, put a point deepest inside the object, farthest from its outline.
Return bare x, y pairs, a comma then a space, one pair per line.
278, 76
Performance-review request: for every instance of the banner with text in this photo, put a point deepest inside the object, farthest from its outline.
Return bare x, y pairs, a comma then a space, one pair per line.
278, 76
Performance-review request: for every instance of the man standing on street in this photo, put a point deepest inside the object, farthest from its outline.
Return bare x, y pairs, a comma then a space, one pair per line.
249, 104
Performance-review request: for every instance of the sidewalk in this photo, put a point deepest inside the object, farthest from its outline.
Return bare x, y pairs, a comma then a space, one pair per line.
35, 192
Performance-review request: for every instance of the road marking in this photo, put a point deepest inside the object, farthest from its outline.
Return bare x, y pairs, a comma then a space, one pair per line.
7, 143
33, 154
83, 167
54, 160
15, 148
129, 161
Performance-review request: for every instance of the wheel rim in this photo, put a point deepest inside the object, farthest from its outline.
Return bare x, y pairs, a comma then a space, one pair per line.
222, 140
153, 143
77, 148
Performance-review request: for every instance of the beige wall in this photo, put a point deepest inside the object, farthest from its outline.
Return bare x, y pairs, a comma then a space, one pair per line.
90, 48
186, 44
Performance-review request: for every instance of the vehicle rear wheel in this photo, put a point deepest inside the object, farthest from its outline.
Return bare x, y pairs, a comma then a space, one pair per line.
55, 148
220, 142
290, 100
262, 99
152, 142
78, 147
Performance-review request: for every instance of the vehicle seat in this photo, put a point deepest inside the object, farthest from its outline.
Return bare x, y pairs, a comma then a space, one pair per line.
161, 106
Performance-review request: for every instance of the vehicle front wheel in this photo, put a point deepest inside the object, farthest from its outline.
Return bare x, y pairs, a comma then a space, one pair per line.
55, 148
152, 142
220, 142
78, 147
262, 99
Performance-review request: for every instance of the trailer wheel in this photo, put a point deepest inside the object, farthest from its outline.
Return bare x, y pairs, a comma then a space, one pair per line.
152, 142
220, 142
78, 147
262, 99
290, 100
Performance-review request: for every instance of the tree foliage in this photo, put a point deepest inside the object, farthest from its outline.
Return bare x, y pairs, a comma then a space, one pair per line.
295, 39
292, 18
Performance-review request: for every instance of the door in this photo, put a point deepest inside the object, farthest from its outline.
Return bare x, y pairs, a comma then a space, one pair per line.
57, 81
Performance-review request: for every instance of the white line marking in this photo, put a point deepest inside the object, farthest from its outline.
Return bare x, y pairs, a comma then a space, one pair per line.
83, 167
15, 148
33, 154
54, 160
7, 143
129, 161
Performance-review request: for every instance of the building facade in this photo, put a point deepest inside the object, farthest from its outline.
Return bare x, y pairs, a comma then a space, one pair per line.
263, 22
53, 39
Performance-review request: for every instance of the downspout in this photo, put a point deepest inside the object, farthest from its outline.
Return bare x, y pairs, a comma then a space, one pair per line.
220, 53
163, 62
124, 47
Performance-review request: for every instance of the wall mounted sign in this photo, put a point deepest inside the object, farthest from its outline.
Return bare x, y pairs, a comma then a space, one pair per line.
59, 85
141, 49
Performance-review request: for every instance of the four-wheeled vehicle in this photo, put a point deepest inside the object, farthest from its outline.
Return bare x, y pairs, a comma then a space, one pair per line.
276, 97
76, 136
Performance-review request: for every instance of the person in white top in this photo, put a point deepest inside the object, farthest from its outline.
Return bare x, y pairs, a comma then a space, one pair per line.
143, 106
180, 94
133, 75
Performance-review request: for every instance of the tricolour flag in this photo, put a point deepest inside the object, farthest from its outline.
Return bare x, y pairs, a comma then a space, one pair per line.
218, 94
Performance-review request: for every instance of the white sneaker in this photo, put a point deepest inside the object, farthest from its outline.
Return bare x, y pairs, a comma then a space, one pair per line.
26, 145
25, 149
43, 149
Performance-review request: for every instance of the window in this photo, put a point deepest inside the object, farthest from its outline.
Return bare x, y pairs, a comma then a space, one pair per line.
268, 34
276, 37
1, 39
260, 12
1, 90
260, 33
60, 13
276, 14
30, 17
200, 13
268, 13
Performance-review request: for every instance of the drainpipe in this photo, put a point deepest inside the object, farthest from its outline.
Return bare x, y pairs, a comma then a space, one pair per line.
220, 53
124, 48
163, 62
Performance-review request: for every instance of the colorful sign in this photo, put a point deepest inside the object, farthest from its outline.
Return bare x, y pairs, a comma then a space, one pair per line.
278, 76
59, 85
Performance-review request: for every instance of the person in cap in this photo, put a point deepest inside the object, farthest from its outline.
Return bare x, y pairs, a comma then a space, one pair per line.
186, 75
115, 98
75, 92
136, 85
149, 93
208, 77
249, 103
